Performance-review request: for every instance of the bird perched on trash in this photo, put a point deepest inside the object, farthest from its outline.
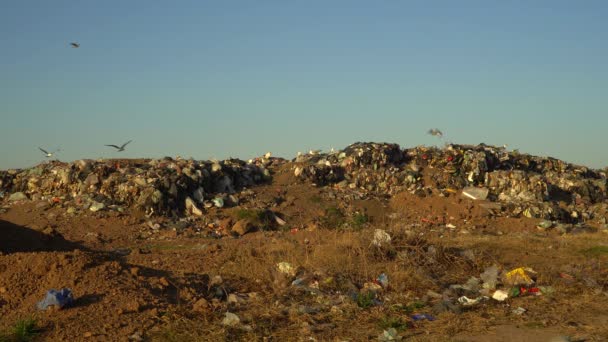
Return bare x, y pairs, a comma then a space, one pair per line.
268, 155
314, 152
120, 148
48, 154
75, 45
435, 132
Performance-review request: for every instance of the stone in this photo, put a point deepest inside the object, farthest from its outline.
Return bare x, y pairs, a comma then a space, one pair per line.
200, 305
243, 227
231, 320
232, 299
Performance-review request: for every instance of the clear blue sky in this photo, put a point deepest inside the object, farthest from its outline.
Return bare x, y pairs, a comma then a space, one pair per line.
239, 78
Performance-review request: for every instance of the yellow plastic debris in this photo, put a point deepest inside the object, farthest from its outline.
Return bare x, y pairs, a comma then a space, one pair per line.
520, 276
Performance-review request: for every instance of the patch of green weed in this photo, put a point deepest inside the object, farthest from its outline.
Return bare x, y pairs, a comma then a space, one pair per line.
596, 251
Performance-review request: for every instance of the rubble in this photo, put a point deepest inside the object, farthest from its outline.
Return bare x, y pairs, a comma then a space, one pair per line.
506, 183
158, 186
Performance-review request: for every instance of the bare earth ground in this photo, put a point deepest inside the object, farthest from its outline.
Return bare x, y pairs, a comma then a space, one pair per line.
178, 286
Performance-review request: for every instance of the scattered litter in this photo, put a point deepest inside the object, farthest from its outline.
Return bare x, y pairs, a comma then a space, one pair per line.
279, 221
475, 193
489, 277
389, 335
218, 202
500, 295
286, 268
59, 299
472, 285
96, 206
381, 238
520, 276
297, 282
372, 287
382, 280
192, 208
566, 276
422, 317
450, 226
466, 301
534, 291
519, 311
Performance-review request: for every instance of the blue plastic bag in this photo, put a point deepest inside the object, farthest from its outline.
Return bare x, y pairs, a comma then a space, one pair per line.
56, 298
422, 317
383, 280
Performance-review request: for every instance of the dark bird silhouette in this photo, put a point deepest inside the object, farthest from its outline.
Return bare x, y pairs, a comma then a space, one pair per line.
120, 148
75, 45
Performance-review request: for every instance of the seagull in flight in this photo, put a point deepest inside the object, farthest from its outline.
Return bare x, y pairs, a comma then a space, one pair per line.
120, 148
435, 132
75, 45
47, 153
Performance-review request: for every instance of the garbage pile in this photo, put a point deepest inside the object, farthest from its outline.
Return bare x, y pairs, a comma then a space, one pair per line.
159, 186
520, 184
507, 182
372, 167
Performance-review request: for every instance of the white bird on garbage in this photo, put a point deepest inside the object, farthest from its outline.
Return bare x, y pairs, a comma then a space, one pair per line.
267, 155
314, 152
48, 154
120, 148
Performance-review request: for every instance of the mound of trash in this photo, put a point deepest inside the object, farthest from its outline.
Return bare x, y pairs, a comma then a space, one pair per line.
517, 184
159, 186
508, 183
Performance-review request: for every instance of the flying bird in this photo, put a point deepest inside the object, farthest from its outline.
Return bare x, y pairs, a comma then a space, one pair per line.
435, 132
120, 148
47, 153
75, 45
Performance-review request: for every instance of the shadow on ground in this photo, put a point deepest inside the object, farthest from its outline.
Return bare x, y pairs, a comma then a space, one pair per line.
15, 238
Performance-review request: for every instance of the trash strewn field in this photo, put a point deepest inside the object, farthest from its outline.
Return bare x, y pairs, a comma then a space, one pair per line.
373, 242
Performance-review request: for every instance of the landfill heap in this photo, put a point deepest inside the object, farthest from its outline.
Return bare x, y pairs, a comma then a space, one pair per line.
515, 184
506, 183
372, 167
159, 186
